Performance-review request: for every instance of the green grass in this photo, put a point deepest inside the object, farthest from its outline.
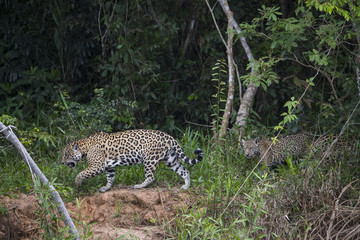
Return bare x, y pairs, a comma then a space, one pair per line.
227, 207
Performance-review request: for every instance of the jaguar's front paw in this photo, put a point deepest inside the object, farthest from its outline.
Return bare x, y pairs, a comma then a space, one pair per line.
78, 181
104, 189
185, 186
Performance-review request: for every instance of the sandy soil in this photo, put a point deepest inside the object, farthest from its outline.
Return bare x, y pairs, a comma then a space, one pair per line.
119, 213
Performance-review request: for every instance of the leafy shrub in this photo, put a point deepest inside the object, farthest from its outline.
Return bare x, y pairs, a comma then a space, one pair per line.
99, 115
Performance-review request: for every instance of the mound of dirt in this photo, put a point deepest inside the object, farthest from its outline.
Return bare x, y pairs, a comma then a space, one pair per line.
121, 212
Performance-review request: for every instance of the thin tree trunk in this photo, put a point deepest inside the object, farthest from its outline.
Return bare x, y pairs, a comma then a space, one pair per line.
231, 70
250, 92
8, 133
357, 56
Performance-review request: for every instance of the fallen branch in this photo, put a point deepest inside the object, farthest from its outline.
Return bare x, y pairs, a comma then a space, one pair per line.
9, 134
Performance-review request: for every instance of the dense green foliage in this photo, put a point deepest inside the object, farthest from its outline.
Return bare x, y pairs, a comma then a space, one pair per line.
71, 68
147, 53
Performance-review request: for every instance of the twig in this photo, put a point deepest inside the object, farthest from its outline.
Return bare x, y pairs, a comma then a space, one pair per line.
162, 204
103, 36
336, 208
223, 40
330, 80
198, 124
14, 207
340, 134
216, 25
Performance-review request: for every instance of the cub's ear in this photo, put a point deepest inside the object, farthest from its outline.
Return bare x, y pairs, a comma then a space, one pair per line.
76, 146
243, 142
256, 140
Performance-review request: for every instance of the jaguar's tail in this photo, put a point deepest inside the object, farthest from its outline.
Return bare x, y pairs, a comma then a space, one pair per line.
187, 160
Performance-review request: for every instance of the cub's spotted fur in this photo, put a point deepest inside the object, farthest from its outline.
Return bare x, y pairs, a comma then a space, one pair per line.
295, 145
149, 147
334, 147
298, 145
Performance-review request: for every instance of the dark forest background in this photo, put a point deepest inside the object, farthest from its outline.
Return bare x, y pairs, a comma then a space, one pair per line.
113, 65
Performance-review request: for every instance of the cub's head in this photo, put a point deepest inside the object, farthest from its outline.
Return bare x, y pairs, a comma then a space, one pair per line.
251, 148
71, 155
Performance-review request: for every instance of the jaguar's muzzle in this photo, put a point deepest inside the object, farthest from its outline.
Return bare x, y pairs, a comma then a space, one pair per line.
70, 164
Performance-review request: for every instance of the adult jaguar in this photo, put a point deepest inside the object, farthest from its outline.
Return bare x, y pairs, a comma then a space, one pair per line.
105, 151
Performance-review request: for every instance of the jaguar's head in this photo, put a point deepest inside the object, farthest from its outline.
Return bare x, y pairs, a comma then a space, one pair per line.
71, 155
251, 148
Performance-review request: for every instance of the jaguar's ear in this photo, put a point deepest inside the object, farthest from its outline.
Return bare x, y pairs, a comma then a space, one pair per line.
243, 142
256, 140
76, 146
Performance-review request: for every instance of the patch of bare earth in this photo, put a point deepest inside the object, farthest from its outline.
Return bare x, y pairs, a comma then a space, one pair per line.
119, 213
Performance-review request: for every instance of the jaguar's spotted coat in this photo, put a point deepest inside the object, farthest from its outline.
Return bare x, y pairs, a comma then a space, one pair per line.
149, 147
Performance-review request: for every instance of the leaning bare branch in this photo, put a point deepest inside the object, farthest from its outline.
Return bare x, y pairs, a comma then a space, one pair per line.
9, 134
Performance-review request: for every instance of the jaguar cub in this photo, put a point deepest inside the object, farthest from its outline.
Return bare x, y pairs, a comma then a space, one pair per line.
325, 147
148, 147
296, 145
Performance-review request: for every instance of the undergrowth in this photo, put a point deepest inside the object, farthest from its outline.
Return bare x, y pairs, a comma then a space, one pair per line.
308, 201
297, 204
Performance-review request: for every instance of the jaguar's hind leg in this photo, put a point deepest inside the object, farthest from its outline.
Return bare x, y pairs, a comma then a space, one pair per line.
149, 169
173, 162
